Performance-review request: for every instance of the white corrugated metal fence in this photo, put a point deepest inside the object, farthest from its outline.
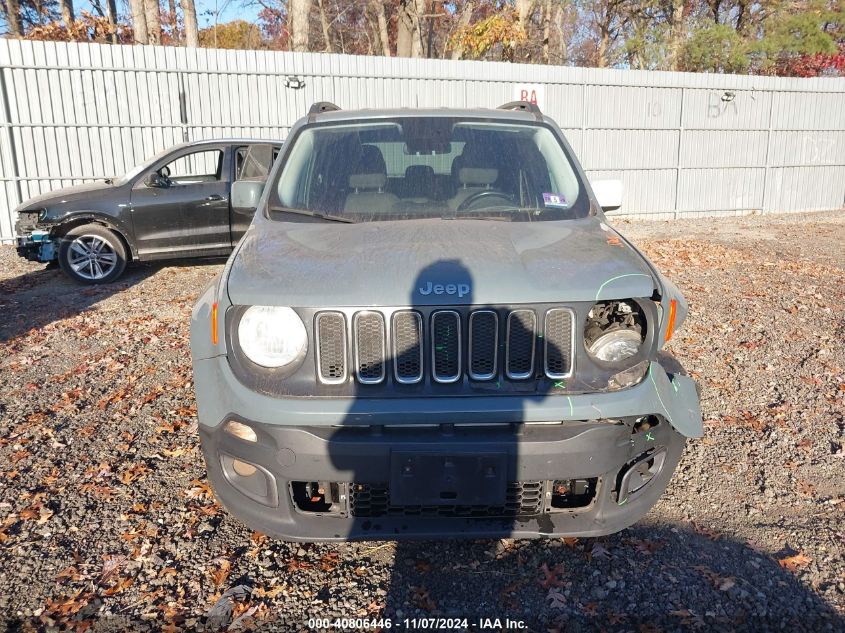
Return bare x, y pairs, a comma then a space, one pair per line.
684, 144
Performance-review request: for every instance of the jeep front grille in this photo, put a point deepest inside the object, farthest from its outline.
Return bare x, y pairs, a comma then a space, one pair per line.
331, 347
444, 345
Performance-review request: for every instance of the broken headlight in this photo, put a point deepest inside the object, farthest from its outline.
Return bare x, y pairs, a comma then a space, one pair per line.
615, 331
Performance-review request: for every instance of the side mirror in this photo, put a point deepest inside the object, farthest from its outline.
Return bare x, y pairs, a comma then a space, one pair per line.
155, 181
245, 195
608, 193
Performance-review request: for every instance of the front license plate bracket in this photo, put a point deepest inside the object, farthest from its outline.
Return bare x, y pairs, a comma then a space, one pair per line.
436, 479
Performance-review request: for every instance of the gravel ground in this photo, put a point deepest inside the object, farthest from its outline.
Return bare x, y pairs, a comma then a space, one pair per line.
107, 522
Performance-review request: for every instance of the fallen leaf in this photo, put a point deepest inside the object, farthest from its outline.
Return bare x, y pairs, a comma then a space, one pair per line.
794, 563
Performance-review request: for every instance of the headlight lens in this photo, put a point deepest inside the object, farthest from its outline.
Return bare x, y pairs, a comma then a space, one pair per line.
272, 336
616, 346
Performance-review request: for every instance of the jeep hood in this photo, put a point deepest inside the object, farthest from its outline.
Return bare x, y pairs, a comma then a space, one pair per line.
434, 262
68, 195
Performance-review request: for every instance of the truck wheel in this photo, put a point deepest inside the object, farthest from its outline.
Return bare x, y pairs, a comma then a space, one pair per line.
92, 254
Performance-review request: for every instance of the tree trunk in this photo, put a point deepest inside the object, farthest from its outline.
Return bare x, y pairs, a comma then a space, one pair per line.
173, 21
384, 36
189, 15
139, 21
298, 25
111, 14
677, 35
66, 8
13, 18
601, 54
417, 46
463, 22
524, 8
324, 23
153, 11
404, 28
547, 22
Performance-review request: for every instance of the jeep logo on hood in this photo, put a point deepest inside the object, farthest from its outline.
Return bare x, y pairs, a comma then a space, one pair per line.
460, 290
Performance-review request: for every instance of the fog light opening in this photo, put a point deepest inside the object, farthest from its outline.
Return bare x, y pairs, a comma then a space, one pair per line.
315, 496
244, 469
573, 493
639, 473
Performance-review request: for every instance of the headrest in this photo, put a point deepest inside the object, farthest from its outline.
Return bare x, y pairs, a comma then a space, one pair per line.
419, 172
367, 181
370, 161
477, 175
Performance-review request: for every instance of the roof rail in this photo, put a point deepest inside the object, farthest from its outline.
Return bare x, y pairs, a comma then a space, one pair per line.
321, 106
524, 106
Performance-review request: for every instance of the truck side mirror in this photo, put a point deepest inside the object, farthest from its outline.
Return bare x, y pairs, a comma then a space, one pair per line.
608, 193
246, 193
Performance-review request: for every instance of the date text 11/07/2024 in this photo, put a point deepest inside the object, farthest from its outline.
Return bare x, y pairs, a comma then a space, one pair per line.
416, 624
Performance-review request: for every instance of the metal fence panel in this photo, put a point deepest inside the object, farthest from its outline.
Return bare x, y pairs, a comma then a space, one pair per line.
683, 144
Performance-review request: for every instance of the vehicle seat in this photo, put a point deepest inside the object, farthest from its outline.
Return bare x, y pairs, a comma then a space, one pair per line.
472, 180
367, 182
419, 183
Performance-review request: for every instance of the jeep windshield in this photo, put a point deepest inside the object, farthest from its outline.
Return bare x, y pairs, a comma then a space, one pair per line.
428, 167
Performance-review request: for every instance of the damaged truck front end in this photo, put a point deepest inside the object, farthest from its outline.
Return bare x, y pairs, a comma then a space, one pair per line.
387, 360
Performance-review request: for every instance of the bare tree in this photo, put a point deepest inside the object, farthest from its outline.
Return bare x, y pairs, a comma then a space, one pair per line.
66, 8
298, 24
111, 14
139, 21
409, 35
381, 18
12, 13
463, 22
153, 13
189, 15
324, 24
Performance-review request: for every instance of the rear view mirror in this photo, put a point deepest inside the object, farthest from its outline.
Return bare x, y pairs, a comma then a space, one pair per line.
608, 193
246, 193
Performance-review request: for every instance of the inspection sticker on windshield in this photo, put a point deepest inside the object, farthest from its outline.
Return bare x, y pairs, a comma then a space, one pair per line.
554, 200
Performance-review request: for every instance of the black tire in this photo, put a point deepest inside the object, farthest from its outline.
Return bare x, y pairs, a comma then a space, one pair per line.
92, 254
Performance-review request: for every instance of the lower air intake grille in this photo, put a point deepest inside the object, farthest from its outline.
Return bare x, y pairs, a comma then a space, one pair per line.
523, 498
331, 341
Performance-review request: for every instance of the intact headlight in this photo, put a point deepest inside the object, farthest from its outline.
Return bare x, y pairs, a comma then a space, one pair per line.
616, 346
272, 336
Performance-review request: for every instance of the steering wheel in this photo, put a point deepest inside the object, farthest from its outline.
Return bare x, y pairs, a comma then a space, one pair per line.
481, 195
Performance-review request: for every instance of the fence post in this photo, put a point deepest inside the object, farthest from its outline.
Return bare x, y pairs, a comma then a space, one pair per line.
768, 149
7, 110
678, 158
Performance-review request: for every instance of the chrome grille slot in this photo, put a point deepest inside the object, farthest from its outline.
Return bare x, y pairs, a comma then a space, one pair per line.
446, 346
407, 346
558, 343
483, 344
369, 347
519, 354
331, 347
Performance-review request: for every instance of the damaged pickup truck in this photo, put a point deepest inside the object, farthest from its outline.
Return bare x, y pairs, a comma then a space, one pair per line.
175, 205
430, 330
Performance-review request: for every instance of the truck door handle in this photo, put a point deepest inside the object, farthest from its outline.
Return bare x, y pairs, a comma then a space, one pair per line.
214, 197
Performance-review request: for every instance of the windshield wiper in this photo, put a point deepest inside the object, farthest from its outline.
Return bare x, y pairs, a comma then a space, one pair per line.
312, 214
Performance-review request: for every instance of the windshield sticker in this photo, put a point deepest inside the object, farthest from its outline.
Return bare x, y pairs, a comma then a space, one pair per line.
554, 200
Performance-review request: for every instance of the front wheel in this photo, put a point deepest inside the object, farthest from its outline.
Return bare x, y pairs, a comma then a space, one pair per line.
92, 254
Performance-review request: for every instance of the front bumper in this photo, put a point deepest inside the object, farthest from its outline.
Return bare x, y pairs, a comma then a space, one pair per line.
345, 461
36, 246
338, 444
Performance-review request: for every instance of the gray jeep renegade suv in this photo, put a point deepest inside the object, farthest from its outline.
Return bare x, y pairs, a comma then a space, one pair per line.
430, 330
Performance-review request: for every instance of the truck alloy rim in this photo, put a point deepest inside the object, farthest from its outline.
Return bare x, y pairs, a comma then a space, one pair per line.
92, 257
